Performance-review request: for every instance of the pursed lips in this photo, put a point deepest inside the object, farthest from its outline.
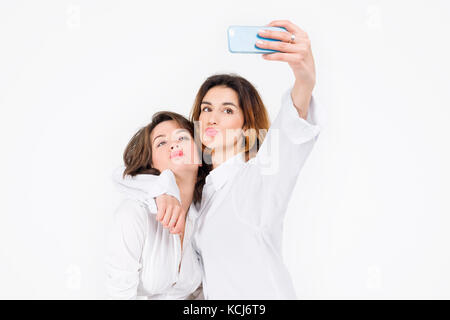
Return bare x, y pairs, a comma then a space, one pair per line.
211, 131
178, 153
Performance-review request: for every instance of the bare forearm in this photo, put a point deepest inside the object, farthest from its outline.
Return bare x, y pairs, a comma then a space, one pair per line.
301, 96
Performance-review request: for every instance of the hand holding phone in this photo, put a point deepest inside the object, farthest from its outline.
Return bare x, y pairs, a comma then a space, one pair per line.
242, 39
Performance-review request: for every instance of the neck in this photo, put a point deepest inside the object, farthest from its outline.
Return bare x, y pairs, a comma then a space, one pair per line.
220, 155
186, 184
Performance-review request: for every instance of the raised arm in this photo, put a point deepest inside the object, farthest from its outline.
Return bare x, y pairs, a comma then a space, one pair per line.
283, 153
295, 130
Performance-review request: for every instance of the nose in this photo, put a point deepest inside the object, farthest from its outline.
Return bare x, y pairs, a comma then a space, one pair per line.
212, 118
174, 145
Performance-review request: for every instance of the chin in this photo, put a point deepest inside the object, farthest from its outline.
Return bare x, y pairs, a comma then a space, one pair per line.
180, 162
209, 144
213, 143
183, 168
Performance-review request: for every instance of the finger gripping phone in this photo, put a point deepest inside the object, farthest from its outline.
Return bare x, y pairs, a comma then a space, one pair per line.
242, 39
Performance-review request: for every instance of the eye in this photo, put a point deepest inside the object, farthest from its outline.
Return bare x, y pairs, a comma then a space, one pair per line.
160, 144
229, 111
206, 109
183, 138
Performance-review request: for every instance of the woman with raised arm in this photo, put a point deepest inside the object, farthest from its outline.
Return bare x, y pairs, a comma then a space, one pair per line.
238, 232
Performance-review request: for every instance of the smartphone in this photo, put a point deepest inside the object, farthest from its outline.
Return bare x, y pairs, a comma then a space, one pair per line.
242, 39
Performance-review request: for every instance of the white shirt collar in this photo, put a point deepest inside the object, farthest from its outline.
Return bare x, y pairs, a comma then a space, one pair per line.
225, 171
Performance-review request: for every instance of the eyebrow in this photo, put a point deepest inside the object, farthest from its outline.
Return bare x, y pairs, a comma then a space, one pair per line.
224, 104
181, 130
161, 135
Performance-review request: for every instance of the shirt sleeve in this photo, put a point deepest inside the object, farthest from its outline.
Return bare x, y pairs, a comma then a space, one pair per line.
124, 249
146, 187
283, 153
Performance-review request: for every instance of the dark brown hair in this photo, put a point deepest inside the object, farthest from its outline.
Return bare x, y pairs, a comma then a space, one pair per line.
255, 113
137, 156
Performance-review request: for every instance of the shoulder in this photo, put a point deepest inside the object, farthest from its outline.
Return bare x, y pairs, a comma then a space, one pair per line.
131, 211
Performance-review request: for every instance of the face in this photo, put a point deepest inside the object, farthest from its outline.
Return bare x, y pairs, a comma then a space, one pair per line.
173, 148
221, 119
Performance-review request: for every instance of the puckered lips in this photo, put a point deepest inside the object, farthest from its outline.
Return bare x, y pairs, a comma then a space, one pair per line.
211, 132
177, 153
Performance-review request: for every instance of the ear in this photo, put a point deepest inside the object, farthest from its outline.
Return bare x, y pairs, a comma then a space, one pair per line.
244, 128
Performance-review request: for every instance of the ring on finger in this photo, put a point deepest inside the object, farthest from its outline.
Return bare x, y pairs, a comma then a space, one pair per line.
292, 38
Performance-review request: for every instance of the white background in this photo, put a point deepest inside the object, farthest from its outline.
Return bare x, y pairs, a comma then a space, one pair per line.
369, 217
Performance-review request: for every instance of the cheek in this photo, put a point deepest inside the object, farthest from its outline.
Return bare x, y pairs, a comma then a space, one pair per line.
194, 153
234, 124
202, 119
202, 123
232, 121
159, 158
190, 149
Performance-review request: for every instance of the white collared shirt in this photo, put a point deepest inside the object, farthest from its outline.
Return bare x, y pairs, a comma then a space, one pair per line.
239, 229
143, 257
239, 224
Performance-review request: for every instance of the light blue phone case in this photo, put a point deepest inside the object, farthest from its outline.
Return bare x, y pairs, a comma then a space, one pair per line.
242, 39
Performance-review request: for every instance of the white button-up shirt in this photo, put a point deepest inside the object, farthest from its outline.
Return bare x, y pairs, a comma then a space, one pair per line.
239, 228
239, 224
144, 260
